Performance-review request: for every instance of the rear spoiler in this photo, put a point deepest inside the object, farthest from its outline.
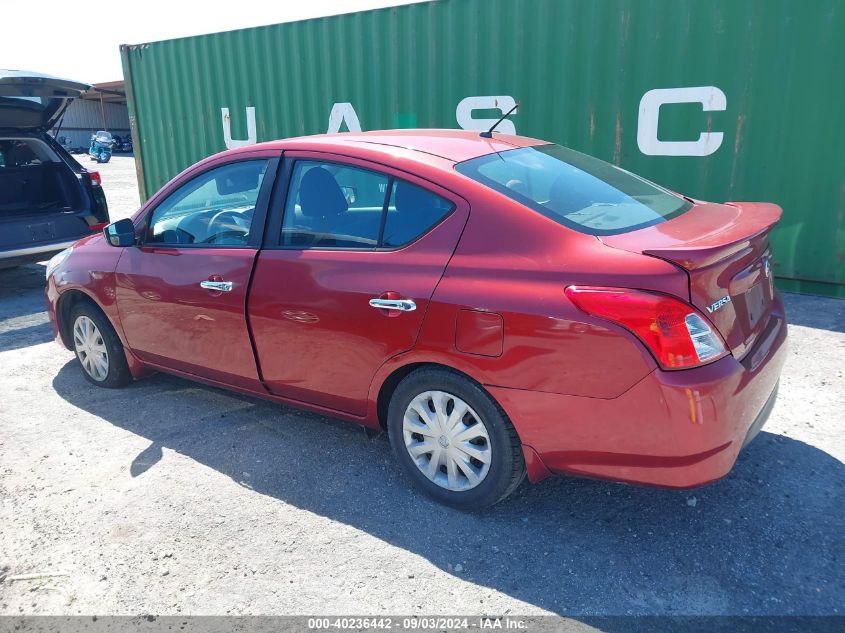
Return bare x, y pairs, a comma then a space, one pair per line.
755, 220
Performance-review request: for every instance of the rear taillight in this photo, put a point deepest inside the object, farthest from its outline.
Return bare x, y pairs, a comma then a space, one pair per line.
94, 177
676, 334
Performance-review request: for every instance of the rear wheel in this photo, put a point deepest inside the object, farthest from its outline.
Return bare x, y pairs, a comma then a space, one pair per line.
98, 348
453, 440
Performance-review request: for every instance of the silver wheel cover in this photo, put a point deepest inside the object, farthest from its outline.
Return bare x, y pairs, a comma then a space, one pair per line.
447, 440
90, 348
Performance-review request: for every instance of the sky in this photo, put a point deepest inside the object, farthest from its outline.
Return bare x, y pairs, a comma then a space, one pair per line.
81, 40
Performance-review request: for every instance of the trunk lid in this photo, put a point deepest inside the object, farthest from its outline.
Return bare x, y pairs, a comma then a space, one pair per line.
724, 249
33, 101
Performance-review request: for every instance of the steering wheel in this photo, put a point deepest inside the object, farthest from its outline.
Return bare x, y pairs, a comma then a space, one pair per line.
216, 218
213, 239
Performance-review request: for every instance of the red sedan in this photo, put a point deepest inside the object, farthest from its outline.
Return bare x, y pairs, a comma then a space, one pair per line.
500, 306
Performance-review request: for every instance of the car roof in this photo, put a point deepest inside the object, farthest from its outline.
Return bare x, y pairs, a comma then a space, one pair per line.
452, 145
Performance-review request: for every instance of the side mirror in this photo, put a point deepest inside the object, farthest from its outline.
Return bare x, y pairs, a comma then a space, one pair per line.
120, 233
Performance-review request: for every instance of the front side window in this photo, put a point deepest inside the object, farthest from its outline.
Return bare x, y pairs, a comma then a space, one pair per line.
338, 206
215, 208
576, 190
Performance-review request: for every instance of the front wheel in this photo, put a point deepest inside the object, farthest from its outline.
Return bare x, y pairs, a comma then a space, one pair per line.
103, 157
98, 348
453, 440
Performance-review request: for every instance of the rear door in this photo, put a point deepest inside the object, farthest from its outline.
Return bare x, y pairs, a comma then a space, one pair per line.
181, 293
34, 102
352, 258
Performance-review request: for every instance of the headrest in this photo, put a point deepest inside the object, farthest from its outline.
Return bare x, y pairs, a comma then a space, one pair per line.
567, 197
319, 194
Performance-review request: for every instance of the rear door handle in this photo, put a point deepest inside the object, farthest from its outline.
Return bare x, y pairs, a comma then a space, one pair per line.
219, 286
402, 305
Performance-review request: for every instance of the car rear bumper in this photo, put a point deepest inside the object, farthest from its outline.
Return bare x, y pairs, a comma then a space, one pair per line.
16, 256
676, 429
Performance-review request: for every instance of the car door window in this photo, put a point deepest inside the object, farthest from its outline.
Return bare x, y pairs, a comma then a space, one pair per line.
214, 208
330, 205
334, 206
412, 212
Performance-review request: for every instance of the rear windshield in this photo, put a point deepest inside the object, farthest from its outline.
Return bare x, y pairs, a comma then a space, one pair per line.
576, 190
17, 152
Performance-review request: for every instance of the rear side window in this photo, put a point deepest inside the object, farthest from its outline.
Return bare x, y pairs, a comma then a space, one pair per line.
330, 205
412, 211
576, 190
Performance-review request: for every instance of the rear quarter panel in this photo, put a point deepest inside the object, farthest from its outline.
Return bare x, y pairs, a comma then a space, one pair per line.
516, 263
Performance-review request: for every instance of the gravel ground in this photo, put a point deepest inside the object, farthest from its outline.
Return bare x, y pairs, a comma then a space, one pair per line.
169, 497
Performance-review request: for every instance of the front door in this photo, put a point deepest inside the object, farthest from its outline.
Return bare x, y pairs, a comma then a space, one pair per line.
181, 293
346, 284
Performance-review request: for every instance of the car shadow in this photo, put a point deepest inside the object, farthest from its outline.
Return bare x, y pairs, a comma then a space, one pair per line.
821, 313
765, 540
20, 337
23, 311
21, 291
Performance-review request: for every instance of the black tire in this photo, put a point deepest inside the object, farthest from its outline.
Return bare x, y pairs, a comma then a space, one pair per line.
507, 465
118, 374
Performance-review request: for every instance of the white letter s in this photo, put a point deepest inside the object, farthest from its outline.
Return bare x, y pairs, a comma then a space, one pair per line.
463, 113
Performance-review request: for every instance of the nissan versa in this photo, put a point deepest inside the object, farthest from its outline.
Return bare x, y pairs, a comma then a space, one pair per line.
500, 305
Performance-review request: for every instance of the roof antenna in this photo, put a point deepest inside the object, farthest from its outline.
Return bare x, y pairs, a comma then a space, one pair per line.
489, 133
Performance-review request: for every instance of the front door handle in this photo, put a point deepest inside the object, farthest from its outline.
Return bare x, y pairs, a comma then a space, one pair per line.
219, 286
402, 305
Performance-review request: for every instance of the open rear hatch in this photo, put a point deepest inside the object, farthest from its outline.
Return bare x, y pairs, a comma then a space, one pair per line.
724, 248
34, 102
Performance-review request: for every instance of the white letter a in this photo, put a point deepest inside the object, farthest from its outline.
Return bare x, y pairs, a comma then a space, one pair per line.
343, 113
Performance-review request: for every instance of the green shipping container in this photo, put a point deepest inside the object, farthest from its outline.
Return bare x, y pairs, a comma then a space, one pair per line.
720, 99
